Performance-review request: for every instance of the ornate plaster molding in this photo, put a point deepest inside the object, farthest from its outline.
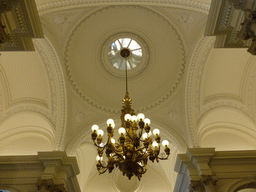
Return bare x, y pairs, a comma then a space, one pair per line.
58, 90
194, 76
197, 4
51, 77
94, 104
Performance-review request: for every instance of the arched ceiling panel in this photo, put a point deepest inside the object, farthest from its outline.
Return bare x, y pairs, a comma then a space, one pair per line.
224, 73
226, 141
227, 129
26, 133
25, 144
226, 115
26, 76
23, 120
86, 157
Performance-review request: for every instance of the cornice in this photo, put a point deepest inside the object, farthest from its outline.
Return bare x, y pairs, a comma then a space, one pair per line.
194, 75
96, 105
188, 4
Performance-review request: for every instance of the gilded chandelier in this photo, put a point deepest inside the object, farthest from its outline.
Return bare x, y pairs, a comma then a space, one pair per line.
135, 144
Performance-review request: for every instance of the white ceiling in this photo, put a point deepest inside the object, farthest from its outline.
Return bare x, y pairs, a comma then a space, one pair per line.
195, 94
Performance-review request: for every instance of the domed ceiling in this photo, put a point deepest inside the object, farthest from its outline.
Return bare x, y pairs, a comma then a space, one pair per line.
89, 68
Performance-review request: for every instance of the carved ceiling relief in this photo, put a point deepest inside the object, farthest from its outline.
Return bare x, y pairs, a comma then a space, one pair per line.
81, 112
63, 21
188, 20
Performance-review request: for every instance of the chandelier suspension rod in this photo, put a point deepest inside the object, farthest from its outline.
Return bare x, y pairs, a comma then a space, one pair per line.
126, 75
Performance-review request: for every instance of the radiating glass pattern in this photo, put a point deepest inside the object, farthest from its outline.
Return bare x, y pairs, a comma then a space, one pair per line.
118, 61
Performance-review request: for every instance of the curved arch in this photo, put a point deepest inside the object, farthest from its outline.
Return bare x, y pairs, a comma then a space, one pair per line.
85, 155
9, 189
25, 131
4, 89
192, 90
228, 123
26, 143
155, 172
58, 87
25, 120
242, 184
249, 86
198, 5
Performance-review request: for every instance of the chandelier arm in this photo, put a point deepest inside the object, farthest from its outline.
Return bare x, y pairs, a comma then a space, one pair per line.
102, 165
128, 134
141, 149
116, 151
103, 148
165, 158
97, 145
103, 171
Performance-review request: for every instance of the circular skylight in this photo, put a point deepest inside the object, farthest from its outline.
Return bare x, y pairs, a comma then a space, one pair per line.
125, 51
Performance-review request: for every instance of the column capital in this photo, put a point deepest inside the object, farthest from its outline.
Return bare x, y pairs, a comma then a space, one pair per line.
48, 185
209, 179
196, 186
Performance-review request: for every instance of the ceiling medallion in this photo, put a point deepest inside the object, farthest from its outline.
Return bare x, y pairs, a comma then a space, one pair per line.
135, 145
125, 47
